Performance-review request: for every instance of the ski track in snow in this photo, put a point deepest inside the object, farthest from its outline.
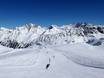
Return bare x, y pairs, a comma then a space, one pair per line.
64, 63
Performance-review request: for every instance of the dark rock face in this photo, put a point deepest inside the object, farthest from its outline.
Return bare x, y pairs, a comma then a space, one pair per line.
50, 27
9, 43
100, 29
14, 44
89, 29
80, 24
95, 42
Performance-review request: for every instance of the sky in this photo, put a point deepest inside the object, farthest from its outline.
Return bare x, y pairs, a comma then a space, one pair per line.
47, 12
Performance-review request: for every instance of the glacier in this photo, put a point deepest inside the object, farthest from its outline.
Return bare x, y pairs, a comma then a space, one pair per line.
68, 51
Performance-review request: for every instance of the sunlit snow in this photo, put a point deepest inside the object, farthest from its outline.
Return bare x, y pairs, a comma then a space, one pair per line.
56, 52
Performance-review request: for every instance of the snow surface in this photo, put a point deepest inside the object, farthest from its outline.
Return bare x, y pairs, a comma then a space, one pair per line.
79, 59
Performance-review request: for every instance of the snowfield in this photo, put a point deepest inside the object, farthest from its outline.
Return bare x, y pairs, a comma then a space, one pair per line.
71, 61
53, 53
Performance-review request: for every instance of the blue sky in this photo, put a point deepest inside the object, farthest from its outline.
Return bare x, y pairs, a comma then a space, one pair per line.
46, 12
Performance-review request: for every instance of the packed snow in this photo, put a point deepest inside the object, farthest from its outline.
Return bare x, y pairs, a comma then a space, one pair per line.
69, 51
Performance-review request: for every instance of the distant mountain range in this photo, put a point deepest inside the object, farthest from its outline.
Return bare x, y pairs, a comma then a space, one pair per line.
31, 35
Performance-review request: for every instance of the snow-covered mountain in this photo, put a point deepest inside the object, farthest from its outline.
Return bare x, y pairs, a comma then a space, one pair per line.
31, 34
68, 51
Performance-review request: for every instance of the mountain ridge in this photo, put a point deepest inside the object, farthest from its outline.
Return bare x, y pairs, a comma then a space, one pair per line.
31, 34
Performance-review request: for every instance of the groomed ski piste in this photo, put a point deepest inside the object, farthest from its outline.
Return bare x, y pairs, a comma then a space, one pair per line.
69, 51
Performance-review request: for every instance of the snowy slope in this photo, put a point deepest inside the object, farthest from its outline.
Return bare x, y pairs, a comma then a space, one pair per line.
63, 61
69, 51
